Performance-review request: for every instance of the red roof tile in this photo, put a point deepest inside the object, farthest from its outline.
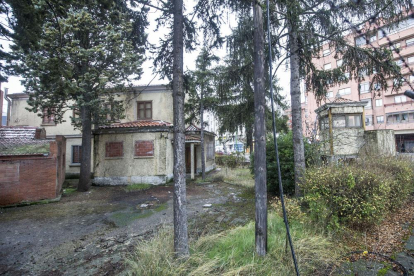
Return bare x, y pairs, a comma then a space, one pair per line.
143, 123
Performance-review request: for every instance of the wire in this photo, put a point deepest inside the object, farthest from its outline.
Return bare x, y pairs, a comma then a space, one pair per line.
285, 219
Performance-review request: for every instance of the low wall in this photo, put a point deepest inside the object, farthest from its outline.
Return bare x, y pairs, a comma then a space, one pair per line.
32, 178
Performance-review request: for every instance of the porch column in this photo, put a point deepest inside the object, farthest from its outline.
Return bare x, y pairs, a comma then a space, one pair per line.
192, 160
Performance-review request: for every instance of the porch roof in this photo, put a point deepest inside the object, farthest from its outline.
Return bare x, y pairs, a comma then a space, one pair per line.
141, 123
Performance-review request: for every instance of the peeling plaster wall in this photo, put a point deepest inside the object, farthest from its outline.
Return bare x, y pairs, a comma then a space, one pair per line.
130, 169
162, 103
379, 142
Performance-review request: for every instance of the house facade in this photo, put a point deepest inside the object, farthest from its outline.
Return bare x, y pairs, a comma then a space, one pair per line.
136, 149
385, 110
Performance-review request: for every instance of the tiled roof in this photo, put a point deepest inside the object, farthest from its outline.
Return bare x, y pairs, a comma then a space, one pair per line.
341, 100
21, 141
143, 123
192, 128
17, 132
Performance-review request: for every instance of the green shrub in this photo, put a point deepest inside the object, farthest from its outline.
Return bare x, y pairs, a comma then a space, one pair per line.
287, 167
358, 194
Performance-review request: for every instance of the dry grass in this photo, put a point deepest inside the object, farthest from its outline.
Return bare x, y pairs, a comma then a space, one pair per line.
237, 176
232, 253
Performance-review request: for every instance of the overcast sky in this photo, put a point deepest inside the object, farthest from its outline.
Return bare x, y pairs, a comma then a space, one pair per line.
15, 86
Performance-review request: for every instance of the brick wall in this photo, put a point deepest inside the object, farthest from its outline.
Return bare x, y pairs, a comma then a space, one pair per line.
114, 149
32, 178
144, 148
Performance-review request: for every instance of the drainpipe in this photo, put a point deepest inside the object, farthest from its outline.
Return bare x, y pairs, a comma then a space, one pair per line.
6, 90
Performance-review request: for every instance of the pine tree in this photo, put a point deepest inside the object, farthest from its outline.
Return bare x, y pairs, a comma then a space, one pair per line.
83, 49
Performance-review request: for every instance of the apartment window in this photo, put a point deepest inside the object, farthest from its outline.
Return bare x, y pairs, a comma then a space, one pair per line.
364, 87
329, 94
369, 120
380, 119
399, 62
114, 149
400, 99
369, 103
409, 42
378, 102
373, 38
347, 75
326, 52
362, 73
377, 86
327, 66
344, 91
395, 46
76, 154
359, 41
411, 78
144, 148
339, 62
48, 116
144, 110
410, 60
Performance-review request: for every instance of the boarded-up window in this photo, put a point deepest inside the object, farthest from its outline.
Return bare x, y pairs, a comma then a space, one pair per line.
114, 149
144, 148
9, 172
144, 110
76, 154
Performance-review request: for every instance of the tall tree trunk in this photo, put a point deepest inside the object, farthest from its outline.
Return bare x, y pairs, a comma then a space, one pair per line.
259, 133
85, 170
203, 160
180, 210
298, 147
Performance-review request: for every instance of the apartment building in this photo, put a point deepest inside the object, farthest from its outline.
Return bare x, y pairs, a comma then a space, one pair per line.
384, 109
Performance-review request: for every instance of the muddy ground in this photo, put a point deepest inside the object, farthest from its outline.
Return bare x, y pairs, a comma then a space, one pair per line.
92, 233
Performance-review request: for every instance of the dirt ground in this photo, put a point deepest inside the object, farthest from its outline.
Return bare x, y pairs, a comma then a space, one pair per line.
92, 233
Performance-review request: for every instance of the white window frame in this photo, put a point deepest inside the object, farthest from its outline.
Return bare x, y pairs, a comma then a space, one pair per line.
369, 103
400, 99
326, 52
373, 38
344, 91
409, 42
380, 119
339, 63
378, 102
327, 66
364, 87
329, 94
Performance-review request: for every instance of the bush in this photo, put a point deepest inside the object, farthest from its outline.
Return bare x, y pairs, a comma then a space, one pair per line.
287, 167
231, 161
358, 194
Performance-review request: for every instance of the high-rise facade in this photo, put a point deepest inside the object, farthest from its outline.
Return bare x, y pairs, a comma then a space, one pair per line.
384, 109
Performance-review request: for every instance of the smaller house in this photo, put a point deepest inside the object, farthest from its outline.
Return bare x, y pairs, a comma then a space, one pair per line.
342, 131
31, 167
142, 152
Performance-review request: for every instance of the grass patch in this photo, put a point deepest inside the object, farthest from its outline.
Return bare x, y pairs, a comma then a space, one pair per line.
232, 252
161, 207
237, 176
137, 187
69, 191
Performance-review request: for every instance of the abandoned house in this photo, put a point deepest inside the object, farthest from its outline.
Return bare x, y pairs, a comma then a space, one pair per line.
31, 167
137, 149
342, 131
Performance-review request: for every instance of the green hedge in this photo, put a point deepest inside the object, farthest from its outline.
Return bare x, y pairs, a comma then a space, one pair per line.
359, 194
231, 161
